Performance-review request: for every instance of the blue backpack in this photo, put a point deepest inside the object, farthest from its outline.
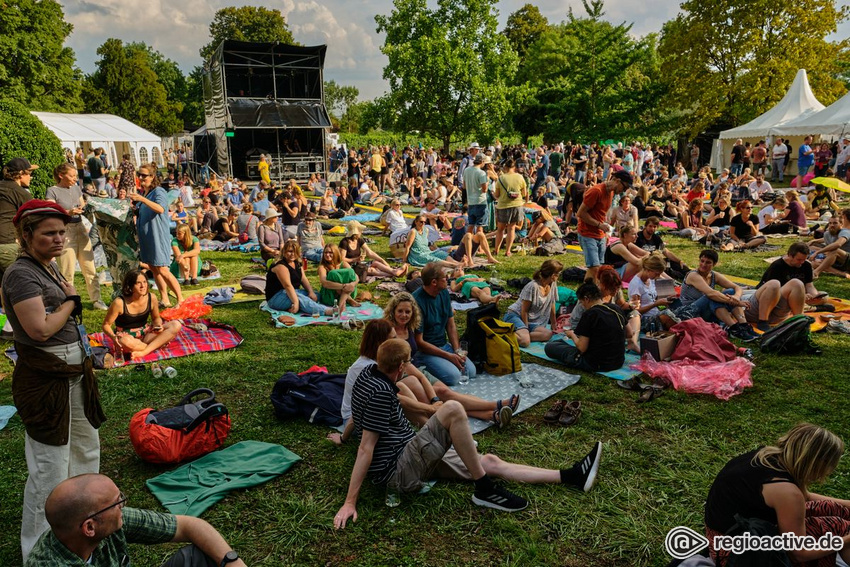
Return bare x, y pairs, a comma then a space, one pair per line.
314, 396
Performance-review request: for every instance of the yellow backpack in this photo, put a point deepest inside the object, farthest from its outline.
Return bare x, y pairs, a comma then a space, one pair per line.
503, 354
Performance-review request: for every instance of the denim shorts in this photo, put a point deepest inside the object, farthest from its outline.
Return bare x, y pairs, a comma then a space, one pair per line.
594, 250
477, 215
513, 317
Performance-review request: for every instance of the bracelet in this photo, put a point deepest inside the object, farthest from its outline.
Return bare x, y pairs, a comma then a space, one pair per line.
434, 400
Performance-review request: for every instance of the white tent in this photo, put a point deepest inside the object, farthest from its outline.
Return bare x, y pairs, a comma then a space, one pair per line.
833, 120
798, 102
113, 133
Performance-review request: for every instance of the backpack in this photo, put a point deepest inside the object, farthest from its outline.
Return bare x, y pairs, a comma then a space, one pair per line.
758, 528
185, 431
253, 284
474, 335
573, 274
503, 354
314, 396
792, 336
551, 248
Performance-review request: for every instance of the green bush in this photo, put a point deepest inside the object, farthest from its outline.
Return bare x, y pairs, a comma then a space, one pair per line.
23, 135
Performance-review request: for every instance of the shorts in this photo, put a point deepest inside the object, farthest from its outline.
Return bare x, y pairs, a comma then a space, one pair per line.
429, 454
477, 215
513, 317
803, 170
843, 266
781, 312
511, 215
593, 249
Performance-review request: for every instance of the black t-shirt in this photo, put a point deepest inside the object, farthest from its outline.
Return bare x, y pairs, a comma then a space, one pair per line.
218, 229
742, 229
604, 326
345, 203
724, 218
651, 244
738, 154
353, 167
273, 284
781, 271
95, 166
641, 207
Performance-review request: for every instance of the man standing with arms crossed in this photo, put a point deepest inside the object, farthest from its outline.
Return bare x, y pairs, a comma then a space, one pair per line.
592, 228
475, 186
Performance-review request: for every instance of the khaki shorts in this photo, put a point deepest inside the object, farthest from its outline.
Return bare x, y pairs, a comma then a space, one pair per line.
428, 455
781, 312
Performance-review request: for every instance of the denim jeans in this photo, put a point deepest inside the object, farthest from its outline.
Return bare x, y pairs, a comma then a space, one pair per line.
441, 368
735, 169
704, 307
314, 255
281, 302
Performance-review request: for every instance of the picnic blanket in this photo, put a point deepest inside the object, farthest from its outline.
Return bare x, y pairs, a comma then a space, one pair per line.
537, 349
362, 217
194, 487
541, 382
217, 337
365, 312
6, 413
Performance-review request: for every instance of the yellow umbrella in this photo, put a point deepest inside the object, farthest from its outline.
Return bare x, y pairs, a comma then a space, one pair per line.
831, 182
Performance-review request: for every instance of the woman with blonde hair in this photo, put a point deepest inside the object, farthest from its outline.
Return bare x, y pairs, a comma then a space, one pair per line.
187, 255
338, 279
771, 484
642, 291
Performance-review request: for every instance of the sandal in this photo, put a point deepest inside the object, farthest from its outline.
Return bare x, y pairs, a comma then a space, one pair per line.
514, 402
650, 393
572, 411
632, 384
502, 415
554, 413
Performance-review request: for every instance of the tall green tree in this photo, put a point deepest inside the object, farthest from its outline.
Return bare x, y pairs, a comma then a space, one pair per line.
193, 106
339, 98
36, 69
524, 27
125, 84
247, 23
727, 61
590, 79
450, 71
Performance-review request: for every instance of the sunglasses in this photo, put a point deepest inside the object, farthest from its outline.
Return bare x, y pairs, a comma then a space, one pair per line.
122, 501
143, 176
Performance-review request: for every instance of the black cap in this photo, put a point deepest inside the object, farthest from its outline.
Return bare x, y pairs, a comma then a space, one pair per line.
19, 164
623, 176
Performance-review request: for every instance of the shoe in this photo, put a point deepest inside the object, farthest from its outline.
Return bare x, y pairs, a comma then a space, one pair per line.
742, 332
194, 281
588, 467
763, 326
100, 306
570, 415
838, 326
502, 415
514, 402
650, 392
500, 499
554, 412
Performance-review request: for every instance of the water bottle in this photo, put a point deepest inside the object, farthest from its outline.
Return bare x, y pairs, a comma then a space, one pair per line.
494, 276
336, 310
170, 371
156, 369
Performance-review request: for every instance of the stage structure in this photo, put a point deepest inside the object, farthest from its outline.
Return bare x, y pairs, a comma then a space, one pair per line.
266, 98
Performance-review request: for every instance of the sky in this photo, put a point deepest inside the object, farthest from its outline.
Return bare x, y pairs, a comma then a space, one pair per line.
178, 28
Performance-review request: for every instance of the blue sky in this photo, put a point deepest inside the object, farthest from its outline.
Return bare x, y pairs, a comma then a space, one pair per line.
178, 28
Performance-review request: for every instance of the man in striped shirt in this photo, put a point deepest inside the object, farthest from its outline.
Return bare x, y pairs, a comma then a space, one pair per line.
392, 453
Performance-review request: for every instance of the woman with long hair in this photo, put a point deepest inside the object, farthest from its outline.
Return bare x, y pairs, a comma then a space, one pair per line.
130, 311
535, 307
743, 228
417, 250
339, 282
771, 484
154, 233
187, 255
642, 291
287, 285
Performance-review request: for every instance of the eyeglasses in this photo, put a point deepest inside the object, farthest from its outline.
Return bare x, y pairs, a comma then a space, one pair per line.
143, 176
122, 500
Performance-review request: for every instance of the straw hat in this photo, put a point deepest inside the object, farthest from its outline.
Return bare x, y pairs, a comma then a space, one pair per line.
354, 227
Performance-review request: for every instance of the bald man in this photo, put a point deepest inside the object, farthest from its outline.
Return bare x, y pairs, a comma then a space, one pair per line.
91, 526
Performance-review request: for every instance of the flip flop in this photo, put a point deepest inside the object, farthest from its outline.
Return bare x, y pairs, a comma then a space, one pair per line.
514, 402
631, 384
650, 393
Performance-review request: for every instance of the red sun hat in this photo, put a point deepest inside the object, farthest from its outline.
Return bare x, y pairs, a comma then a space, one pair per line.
40, 207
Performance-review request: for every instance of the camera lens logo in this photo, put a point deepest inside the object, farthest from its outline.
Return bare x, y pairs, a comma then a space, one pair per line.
683, 542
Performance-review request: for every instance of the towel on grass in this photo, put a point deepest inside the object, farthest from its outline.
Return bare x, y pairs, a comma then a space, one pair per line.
6, 413
624, 373
365, 312
194, 487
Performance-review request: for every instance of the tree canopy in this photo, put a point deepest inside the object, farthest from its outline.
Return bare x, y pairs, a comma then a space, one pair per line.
339, 98
524, 27
247, 23
36, 69
23, 135
450, 71
727, 61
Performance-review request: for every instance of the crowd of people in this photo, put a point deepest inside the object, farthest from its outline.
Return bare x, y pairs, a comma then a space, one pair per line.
479, 198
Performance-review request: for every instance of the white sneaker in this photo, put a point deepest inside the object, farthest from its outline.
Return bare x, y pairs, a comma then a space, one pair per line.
100, 306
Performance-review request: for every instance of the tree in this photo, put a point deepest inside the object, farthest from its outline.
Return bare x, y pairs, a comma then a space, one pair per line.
590, 79
450, 71
23, 135
193, 106
125, 84
339, 98
524, 27
247, 23
728, 61
352, 120
35, 69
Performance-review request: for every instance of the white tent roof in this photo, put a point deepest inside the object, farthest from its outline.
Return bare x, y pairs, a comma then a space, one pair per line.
798, 101
95, 127
833, 120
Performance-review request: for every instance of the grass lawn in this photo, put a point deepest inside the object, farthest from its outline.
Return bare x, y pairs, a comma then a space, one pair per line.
658, 459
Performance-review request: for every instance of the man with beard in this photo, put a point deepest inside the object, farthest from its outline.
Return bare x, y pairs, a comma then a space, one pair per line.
836, 247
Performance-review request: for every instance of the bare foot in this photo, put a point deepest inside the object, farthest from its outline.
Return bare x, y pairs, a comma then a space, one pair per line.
335, 438
402, 271
634, 347
138, 354
354, 303
492, 260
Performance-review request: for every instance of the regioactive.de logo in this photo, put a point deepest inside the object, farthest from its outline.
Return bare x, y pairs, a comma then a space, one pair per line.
683, 542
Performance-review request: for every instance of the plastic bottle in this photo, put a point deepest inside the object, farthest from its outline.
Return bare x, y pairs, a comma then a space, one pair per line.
170, 371
156, 369
336, 310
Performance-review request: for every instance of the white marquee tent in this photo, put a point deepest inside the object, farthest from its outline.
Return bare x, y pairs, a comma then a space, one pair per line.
799, 102
833, 120
113, 133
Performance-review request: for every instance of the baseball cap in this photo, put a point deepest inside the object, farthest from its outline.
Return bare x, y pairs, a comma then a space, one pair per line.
478, 159
40, 207
20, 164
623, 176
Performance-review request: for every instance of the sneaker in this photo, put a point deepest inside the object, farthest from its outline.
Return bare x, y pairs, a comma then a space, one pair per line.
588, 467
100, 306
194, 281
742, 332
763, 326
502, 416
500, 499
838, 326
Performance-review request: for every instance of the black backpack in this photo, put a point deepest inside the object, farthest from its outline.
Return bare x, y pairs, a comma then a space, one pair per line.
475, 336
756, 527
792, 336
188, 415
314, 396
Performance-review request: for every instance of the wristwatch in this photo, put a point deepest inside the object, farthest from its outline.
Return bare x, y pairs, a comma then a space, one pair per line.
434, 400
229, 557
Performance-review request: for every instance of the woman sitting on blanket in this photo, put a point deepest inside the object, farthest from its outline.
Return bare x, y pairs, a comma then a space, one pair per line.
287, 286
419, 398
326, 204
418, 252
609, 283
743, 228
357, 252
536, 305
186, 250
642, 290
130, 312
339, 282
473, 287
623, 254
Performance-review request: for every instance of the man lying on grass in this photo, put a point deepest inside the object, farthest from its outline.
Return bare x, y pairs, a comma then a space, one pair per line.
393, 454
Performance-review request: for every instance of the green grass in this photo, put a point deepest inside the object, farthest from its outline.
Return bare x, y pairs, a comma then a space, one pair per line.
658, 459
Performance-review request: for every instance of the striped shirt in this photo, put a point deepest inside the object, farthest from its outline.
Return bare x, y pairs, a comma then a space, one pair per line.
375, 407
